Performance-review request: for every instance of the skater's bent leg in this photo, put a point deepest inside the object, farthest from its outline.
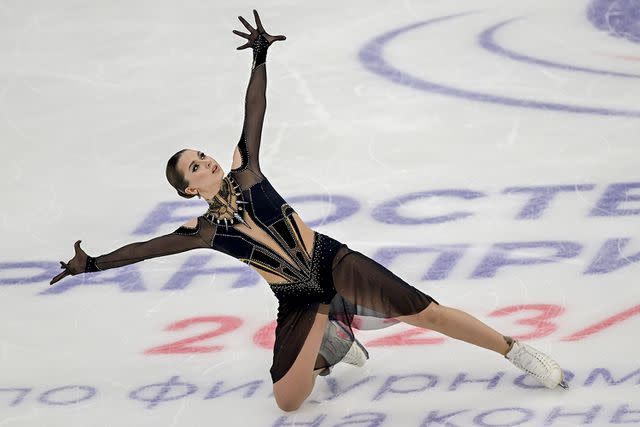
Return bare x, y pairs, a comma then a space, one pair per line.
459, 325
292, 389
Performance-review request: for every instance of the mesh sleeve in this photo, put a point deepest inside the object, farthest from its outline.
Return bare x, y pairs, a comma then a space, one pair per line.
181, 240
255, 107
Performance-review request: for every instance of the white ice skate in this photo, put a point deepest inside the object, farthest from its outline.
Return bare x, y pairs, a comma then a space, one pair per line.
537, 364
357, 355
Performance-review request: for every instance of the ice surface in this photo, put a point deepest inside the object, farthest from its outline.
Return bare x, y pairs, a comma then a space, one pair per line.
501, 177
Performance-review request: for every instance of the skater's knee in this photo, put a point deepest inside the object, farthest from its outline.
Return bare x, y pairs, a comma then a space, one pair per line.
288, 397
433, 316
430, 318
288, 405
288, 402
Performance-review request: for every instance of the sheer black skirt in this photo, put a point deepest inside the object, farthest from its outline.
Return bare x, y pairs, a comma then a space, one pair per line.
354, 290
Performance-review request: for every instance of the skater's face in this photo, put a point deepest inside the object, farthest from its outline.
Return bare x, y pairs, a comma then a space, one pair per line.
202, 172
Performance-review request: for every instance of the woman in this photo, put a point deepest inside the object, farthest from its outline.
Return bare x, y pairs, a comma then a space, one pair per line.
319, 282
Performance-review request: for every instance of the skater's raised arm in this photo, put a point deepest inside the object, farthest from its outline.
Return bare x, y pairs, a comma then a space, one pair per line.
194, 235
255, 101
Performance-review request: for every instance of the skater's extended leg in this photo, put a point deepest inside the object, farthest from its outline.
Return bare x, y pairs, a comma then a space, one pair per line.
459, 325
292, 389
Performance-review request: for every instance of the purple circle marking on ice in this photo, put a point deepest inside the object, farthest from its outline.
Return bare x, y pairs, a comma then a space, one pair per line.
620, 18
372, 58
487, 41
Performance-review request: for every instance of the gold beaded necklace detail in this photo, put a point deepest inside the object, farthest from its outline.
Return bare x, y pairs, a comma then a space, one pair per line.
221, 207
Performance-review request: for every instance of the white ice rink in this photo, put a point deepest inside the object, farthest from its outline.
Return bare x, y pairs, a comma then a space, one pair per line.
486, 152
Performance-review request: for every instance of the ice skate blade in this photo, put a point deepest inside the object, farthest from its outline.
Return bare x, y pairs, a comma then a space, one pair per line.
564, 385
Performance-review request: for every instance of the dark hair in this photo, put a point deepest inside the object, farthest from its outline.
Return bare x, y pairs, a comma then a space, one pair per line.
175, 178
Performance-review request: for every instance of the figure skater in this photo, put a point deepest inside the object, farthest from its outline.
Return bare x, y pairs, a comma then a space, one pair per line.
319, 282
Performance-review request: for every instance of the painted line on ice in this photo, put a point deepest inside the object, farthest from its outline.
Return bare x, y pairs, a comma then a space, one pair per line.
371, 56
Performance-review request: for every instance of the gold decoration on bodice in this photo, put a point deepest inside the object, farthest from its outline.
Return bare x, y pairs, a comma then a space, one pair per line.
227, 205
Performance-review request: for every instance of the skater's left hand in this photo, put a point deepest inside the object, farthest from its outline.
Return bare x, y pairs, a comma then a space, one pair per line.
76, 265
254, 33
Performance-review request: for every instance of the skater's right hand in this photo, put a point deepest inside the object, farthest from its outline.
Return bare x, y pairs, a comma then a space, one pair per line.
255, 33
75, 265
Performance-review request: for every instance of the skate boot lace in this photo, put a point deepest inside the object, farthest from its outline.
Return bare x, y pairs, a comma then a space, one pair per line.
532, 362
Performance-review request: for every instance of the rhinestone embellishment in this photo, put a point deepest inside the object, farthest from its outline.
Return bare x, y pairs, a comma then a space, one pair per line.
221, 211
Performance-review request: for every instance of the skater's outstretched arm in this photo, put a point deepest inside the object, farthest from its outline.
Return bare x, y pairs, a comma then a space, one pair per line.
255, 101
181, 240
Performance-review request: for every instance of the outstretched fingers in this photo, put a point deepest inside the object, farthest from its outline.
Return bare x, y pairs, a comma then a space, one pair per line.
258, 22
246, 25
241, 34
74, 266
60, 276
254, 33
244, 36
76, 246
244, 46
261, 29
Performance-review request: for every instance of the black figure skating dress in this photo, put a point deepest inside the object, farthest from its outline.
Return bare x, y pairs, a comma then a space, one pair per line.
327, 277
